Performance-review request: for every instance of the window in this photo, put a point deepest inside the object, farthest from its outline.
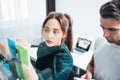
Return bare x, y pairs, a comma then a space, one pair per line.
13, 9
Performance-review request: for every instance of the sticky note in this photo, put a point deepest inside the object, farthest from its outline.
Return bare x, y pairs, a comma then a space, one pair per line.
20, 71
12, 47
7, 69
22, 54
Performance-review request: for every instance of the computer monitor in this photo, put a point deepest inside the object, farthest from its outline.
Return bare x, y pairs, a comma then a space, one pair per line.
83, 44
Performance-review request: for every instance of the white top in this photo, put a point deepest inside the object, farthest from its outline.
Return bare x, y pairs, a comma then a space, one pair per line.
106, 61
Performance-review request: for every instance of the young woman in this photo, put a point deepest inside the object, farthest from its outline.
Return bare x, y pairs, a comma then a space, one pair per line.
54, 52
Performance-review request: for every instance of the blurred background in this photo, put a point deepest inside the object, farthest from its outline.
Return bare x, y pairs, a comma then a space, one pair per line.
23, 18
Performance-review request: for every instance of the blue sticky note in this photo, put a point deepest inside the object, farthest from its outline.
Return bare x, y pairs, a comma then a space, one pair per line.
12, 47
7, 69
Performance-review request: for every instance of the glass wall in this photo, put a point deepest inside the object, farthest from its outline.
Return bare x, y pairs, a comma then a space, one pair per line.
21, 19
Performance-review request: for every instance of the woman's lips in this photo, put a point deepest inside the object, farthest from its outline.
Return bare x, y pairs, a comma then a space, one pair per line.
49, 42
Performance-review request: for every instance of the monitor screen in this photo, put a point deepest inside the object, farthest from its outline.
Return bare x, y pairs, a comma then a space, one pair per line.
83, 43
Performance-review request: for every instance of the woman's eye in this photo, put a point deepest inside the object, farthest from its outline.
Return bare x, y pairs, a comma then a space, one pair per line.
56, 32
46, 30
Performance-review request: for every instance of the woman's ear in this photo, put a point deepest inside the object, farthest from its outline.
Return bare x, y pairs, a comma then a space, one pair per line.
64, 35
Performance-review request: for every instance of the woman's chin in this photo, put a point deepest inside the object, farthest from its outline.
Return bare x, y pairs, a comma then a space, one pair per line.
50, 45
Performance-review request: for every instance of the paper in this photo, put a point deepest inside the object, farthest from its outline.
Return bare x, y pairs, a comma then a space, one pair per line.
77, 78
22, 54
12, 47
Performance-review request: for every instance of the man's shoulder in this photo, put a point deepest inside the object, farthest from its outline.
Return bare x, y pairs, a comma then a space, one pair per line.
99, 41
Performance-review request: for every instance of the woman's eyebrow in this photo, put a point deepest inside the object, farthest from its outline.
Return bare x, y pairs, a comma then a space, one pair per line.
56, 29
46, 27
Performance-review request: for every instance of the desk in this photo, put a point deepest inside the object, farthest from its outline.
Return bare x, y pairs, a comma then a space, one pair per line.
33, 53
80, 60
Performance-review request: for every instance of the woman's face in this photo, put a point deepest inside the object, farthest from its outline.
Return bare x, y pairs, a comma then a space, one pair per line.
52, 33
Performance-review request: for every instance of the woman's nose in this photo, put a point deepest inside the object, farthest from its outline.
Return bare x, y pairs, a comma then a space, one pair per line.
50, 34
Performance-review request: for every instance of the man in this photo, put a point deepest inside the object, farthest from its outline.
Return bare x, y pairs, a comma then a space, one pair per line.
105, 62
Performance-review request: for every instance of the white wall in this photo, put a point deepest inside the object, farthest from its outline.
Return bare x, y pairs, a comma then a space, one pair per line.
85, 14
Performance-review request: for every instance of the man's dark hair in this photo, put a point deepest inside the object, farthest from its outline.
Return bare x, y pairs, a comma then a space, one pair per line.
111, 9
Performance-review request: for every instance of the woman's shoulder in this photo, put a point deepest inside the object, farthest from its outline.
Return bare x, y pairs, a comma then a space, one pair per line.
63, 50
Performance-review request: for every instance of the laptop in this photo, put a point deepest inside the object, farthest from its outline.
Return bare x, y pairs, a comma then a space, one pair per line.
83, 45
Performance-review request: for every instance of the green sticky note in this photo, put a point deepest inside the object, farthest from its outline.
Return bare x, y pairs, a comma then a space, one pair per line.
20, 71
22, 54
